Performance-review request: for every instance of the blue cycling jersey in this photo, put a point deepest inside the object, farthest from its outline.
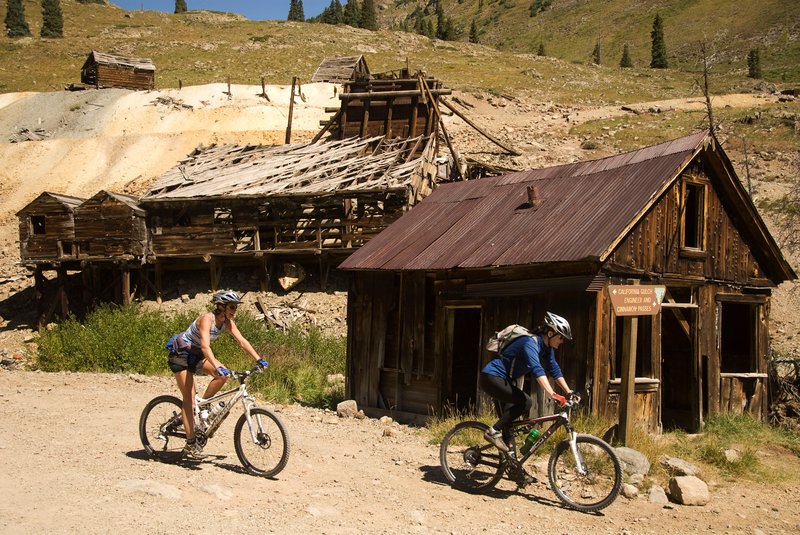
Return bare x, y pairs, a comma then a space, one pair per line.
529, 355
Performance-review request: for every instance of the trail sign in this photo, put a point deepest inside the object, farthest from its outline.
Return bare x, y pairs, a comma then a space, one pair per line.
636, 299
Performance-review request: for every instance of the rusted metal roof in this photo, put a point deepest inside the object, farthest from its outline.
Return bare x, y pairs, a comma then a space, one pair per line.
310, 168
585, 208
101, 58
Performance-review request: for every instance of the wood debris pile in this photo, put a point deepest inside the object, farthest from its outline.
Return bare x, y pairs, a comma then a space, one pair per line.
25, 134
170, 102
286, 315
785, 389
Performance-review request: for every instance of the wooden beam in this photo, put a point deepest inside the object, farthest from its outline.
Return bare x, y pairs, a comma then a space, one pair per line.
432, 104
387, 95
491, 138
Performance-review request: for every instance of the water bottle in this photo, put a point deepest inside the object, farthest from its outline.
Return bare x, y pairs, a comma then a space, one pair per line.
530, 440
204, 415
216, 409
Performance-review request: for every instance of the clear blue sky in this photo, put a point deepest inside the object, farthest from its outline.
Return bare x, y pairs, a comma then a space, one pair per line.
252, 9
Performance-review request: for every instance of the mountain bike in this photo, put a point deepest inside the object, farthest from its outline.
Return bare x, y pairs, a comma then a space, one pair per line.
260, 438
583, 470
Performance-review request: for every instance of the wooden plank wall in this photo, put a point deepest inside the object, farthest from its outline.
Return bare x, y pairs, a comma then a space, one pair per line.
107, 228
654, 244
108, 76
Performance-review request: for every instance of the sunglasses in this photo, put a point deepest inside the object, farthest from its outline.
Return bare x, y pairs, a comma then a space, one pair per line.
232, 307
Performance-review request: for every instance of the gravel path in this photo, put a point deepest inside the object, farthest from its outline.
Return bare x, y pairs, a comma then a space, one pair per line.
71, 462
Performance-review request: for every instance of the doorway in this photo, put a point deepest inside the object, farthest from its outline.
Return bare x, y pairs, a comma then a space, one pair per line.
677, 373
464, 333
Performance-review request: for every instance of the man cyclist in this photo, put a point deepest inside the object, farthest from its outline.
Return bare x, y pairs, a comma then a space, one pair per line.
534, 354
190, 353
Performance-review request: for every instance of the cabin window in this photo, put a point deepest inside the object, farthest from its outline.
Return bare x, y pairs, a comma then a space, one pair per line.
644, 364
737, 338
223, 216
37, 224
693, 219
182, 219
65, 248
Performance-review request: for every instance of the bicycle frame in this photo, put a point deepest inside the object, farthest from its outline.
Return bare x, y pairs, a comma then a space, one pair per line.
559, 420
232, 395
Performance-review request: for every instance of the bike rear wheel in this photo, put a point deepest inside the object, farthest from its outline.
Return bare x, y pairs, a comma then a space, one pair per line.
468, 462
268, 454
598, 487
161, 428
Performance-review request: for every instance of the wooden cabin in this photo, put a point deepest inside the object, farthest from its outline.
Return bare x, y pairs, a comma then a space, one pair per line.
246, 206
110, 227
340, 70
475, 256
47, 229
103, 70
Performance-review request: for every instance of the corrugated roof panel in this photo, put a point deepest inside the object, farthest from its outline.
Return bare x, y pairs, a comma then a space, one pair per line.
585, 207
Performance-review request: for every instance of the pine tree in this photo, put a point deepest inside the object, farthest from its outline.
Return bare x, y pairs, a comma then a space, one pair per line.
596, 57
369, 19
296, 11
52, 20
333, 14
180, 6
626, 62
352, 14
754, 63
659, 49
541, 51
473, 32
15, 20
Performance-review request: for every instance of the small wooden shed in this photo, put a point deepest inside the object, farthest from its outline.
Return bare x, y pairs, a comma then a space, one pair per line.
105, 70
342, 69
47, 229
473, 257
110, 227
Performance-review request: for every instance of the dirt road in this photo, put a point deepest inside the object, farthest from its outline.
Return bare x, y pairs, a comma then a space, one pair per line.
71, 462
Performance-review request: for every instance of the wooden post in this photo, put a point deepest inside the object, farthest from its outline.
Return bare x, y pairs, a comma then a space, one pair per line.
180, 84
626, 405
264, 89
125, 273
291, 111
365, 118
159, 279
62, 285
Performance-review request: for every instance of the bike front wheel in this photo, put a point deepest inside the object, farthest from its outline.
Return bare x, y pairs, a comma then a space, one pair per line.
161, 428
589, 489
468, 462
265, 450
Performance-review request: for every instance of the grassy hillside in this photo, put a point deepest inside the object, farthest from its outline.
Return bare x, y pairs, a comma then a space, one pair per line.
204, 47
569, 29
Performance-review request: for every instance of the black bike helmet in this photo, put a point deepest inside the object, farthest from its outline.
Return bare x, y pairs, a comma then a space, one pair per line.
558, 325
226, 297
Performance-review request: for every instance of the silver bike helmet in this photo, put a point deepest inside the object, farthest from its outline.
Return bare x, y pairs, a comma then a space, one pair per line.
558, 325
226, 297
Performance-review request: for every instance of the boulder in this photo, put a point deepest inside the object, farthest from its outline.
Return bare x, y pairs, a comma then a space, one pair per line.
629, 491
678, 467
657, 495
688, 490
347, 409
633, 462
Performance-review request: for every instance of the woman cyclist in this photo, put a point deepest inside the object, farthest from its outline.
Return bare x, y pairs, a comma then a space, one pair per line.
190, 353
533, 354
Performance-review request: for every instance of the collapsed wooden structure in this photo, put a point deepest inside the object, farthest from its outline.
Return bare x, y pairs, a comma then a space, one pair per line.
103, 70
341, 70
478, 255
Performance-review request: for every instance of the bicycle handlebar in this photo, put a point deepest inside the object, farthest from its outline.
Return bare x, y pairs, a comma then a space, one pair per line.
241, 376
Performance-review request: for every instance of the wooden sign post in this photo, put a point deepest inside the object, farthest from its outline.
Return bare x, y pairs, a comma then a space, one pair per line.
632, 301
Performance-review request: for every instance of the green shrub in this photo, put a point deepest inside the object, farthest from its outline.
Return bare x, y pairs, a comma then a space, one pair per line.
131, 340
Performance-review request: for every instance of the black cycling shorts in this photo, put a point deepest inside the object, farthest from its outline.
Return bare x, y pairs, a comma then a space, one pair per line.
178, 363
